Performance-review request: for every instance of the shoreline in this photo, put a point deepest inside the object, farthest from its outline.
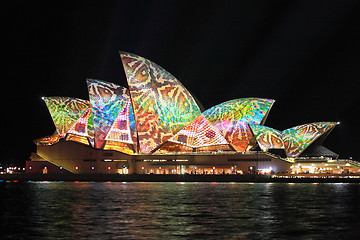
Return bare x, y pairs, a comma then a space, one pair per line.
179, 178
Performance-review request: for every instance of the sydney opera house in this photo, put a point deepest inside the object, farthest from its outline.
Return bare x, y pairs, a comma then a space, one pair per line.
155, 126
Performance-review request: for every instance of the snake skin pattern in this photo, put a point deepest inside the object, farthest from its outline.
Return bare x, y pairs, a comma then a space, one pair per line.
232, 118
238, 134
199, 133
107, 100
65, 111
250, 110
162, 105
267, 137
298, 138
157, 114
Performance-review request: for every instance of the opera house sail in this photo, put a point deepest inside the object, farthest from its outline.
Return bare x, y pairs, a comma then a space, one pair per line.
156, 118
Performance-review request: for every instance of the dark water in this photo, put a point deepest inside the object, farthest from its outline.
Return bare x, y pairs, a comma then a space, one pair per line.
70, 210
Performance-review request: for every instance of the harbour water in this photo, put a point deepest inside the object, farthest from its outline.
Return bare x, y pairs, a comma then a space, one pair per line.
119, 210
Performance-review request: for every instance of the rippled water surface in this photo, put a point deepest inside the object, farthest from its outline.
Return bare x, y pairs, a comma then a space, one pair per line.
112, 210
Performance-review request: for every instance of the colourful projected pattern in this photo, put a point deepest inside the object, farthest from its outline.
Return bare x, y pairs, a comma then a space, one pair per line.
76, 138
81, 125
298, 138
119, 146
90, 129
120, 130
250, 110
133, 129
49, 140
232, 118
65, 111
162, 105
267, 137
161, 112
171, 147
79, 132
107, 100
199, 133
238, 134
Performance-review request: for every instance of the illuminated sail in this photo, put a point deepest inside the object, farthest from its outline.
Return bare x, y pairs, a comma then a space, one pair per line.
107, 100
298, 138
65, 111
199, 133
232, 119
267, 138
162, 105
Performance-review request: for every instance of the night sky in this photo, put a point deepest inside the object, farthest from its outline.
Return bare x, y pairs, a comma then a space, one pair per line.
303, 54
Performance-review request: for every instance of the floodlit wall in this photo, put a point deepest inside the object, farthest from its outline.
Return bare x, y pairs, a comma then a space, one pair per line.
79, 158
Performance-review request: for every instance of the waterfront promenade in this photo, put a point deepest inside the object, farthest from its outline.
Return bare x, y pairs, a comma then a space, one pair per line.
320, 178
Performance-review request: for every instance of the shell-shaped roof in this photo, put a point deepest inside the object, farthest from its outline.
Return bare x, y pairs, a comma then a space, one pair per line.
120, 130
107, 100
161, 115
238, 134
250, 110
80, 127
267, 138
232, 119
298, 138
65, 111
162, 105
199, 133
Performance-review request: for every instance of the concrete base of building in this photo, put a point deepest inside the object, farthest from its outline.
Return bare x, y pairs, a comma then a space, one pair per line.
82, 159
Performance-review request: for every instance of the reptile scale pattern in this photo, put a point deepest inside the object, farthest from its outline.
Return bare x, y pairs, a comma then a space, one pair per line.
65, 111
107, 100
162, 105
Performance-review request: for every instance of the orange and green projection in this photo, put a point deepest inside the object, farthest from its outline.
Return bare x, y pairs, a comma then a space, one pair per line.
157, 114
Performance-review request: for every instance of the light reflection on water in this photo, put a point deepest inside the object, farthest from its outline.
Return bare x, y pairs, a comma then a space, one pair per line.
112, 210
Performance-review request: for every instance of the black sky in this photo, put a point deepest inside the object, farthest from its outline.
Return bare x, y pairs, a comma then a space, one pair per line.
304, 54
